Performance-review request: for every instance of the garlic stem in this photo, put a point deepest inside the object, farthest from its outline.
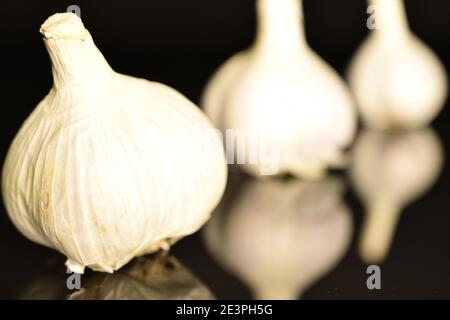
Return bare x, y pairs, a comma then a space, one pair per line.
393, 19
378, 230
74, 56
280, 27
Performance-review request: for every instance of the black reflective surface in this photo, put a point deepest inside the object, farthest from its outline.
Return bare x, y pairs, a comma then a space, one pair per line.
271, 239
322, 255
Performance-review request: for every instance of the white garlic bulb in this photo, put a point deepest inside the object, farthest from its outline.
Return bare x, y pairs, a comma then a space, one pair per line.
398, 82
281, 88
109, 167
279, 237
389, 171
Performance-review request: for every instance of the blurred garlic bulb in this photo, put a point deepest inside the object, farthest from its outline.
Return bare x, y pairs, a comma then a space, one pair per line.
279, 237
388, 172
281, 90
109, 167
398, 82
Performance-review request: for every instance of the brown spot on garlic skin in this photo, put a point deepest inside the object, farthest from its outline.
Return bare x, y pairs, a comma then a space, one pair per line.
45, 200
101, 229
46, 189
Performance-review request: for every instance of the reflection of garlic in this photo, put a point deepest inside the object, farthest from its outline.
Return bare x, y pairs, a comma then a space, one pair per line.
159, 277
108, 167
153, 277
388, 172
280, 236
282, 88
397, 80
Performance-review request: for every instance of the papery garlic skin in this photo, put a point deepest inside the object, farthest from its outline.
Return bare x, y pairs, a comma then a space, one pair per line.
282, 88
388, 172
108, 167
279, 237
398, 82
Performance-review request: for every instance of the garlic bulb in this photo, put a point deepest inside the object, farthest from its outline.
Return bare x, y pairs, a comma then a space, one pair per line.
389, 171
109, 167
398, 82
281, 89
279, 237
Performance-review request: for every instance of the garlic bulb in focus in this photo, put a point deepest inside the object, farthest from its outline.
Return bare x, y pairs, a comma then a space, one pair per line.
389, 171
282, 92
280, 237
109, 167
398, 82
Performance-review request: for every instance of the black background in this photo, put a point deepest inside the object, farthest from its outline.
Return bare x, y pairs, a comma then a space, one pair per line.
181, 43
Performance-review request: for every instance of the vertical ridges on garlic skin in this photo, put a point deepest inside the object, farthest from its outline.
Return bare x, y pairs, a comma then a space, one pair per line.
74, 56
17, 180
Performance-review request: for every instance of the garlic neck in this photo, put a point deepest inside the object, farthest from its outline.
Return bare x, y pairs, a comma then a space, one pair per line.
378, 230
280, 27
393, 20
74, 56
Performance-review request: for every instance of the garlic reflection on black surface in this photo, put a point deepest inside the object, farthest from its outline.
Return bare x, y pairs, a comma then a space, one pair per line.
388, 172
280, 236
155, 277
48, 285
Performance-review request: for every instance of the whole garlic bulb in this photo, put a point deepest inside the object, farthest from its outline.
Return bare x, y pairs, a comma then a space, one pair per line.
398, 82
109, 167
389, 171
281, 88
279, 237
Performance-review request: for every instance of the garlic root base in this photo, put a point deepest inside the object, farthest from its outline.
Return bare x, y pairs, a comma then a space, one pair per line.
77, 267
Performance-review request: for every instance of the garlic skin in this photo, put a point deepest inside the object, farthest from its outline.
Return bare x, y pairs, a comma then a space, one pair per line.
109, 167
279, 237
397, 81
282, 88
388, 172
